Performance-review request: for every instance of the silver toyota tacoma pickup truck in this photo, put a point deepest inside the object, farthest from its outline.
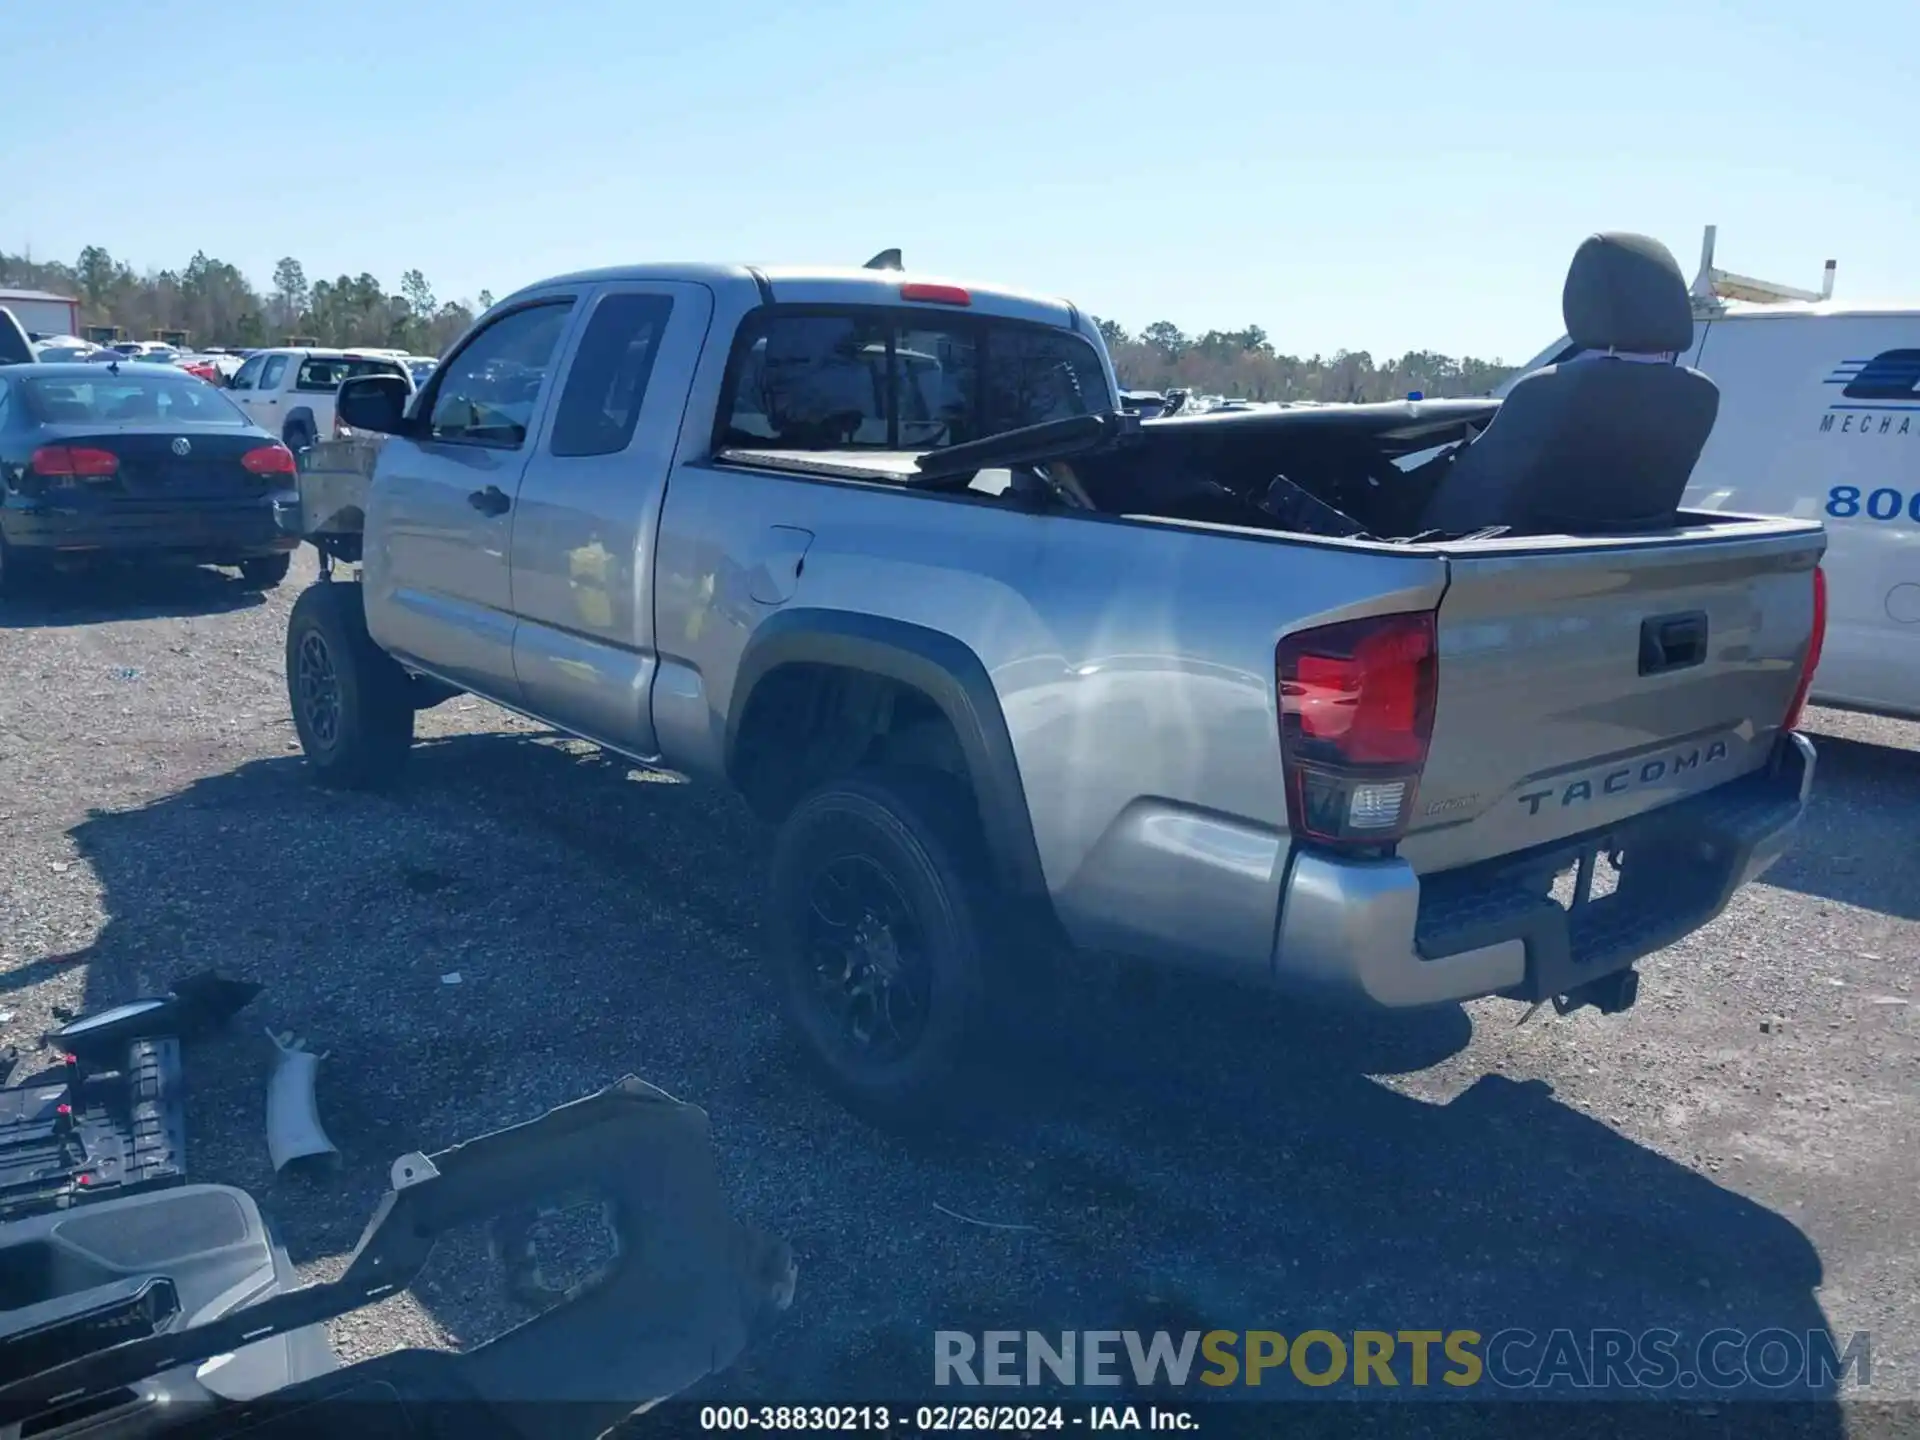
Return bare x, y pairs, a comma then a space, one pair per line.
1016, 675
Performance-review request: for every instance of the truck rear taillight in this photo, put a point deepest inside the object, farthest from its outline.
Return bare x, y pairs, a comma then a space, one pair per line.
1814, 647
1356, 718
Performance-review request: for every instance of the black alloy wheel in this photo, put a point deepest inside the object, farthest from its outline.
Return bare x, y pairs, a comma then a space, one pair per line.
317, 689
868, 959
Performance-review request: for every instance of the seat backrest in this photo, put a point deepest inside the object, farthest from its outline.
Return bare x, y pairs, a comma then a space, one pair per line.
139, 405
1603, 443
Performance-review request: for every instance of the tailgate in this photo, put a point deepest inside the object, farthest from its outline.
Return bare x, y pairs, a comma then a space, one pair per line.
334, 479
1583, 682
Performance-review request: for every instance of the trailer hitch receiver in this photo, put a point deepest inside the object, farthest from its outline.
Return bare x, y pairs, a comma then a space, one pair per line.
1610, 994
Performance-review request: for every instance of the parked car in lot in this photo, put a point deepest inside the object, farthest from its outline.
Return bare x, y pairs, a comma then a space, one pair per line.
201, 367
291, 391
56, 349
137, 461
1015, 675
156, 350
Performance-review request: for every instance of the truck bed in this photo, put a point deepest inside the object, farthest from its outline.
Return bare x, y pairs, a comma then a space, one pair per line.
1582, 680
333, 482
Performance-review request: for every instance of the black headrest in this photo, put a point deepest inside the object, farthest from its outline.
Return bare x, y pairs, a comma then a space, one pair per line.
1625, 292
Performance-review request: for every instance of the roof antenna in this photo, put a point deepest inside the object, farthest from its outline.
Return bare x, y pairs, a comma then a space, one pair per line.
885, 260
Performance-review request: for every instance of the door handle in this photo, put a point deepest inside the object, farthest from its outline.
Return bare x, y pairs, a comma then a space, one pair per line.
490, 501
1672, 642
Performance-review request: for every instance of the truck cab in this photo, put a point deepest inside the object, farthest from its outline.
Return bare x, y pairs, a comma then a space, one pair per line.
556, 618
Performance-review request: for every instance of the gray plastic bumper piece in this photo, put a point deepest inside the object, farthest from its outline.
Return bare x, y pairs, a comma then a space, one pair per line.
687, 1290
86, 1268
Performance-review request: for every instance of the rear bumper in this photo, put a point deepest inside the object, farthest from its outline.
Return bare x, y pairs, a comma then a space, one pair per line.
1375, 932
210, 529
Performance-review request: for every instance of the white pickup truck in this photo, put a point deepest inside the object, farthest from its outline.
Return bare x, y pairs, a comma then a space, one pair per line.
292, 392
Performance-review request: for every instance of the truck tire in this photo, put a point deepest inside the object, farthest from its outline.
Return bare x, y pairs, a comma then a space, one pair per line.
351, 704
881, 930
263, 572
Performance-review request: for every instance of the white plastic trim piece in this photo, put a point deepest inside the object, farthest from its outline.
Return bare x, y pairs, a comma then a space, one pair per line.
293, 1112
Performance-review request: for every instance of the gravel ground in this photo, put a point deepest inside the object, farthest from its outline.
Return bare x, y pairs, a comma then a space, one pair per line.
1730, 1153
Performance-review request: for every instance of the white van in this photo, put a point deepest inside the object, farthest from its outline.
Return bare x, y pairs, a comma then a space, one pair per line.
1820, 418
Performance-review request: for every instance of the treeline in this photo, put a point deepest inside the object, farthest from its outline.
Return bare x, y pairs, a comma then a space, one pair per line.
217, 305
1243, 363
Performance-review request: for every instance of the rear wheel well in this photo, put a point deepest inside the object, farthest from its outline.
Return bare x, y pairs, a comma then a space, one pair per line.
806, 724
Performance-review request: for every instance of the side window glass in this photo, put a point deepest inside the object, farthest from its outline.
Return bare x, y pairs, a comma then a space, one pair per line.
3, 404
1036, 375
270, 377
244, 377
486, 394
608, 380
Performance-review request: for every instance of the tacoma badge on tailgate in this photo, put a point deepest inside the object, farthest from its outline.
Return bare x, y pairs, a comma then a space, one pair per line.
1626, 777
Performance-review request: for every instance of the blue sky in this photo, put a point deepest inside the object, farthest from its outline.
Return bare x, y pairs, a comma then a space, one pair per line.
1369, 175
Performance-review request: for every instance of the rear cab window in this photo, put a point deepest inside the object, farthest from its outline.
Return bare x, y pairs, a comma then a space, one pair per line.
873, 378
326, 373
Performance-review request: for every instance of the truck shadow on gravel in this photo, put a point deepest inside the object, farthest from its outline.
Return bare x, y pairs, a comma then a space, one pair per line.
1184, 1157
125, 592
1855, 844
